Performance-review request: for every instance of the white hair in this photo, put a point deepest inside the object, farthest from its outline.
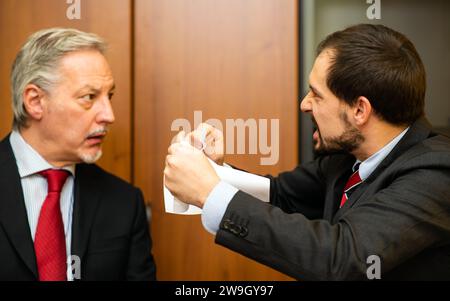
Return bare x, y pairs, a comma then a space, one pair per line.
37, 62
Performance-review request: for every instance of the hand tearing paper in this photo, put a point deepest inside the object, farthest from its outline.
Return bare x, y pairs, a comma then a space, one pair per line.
255, 185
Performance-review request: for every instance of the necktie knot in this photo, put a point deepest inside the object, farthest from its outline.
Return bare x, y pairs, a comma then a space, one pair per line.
55, 179
352, 182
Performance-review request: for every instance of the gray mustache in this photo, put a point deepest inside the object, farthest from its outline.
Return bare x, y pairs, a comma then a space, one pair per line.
102, 131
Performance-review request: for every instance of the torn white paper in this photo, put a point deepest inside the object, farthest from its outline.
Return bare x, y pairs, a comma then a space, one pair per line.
255, 185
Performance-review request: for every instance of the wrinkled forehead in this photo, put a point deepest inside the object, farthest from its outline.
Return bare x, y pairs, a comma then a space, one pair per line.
86, 67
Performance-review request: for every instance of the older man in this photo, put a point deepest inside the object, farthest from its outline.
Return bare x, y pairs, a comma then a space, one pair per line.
379, 193
62, 217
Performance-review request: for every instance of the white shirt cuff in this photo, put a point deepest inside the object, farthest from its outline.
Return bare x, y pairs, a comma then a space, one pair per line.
215, 206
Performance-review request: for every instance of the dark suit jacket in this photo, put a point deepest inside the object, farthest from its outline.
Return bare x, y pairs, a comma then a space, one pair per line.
109, 231
400, 213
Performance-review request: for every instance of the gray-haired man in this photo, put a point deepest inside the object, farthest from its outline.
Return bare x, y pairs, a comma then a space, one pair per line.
62, 217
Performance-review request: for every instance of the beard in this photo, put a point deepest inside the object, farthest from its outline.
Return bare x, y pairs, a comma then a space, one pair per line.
348, 141
91, 159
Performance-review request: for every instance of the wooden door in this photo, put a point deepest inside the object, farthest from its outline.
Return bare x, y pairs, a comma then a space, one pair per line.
229, 59
111, 19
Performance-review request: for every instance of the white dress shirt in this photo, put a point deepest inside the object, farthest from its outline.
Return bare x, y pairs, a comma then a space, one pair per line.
218, 200
34, 186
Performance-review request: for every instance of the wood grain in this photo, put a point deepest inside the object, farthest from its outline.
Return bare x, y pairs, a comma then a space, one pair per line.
111, 19
230, 59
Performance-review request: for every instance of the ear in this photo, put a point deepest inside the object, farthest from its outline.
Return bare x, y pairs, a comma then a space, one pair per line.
362, 110
33, 101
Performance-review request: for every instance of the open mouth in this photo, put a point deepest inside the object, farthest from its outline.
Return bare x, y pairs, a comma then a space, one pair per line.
96, 137
315, 128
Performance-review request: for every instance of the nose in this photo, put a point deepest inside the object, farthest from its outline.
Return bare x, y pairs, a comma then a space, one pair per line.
106, 114
305, 105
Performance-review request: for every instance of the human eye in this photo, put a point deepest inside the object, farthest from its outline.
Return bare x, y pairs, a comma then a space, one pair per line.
88, 97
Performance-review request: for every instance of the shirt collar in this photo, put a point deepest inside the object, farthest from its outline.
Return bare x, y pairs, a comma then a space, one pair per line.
29, 161
368, 166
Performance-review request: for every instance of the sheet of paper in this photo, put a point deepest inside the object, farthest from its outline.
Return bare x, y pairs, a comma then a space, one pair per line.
255, 185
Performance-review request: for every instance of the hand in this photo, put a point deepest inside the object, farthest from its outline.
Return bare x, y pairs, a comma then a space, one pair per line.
188, 174
214, 145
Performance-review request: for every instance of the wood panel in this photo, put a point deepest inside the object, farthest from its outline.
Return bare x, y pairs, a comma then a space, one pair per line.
110, 19
230, 59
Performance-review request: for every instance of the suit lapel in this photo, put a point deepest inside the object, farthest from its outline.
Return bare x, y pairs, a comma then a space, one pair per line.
13, 214
341, 173
86, 201
418, 132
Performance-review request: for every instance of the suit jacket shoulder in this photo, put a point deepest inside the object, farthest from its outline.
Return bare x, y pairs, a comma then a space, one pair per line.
104, 178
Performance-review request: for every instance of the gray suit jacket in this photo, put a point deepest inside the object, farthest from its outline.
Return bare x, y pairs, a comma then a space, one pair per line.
401, 213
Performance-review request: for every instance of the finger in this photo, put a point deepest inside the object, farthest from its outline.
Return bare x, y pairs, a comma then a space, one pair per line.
173, 148
186, 149
169, 161
166, 175
209, 134
195, 139
204, 130
180, 136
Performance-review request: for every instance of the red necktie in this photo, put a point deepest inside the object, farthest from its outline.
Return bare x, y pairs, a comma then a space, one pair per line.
49, 241
352, 182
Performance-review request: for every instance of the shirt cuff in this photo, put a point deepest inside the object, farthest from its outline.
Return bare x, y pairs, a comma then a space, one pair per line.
215, 206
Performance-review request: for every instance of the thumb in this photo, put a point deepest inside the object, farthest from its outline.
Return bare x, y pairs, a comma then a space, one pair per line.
180, 137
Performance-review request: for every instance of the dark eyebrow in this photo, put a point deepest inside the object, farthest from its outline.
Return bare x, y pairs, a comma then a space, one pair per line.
315, 91
113, 88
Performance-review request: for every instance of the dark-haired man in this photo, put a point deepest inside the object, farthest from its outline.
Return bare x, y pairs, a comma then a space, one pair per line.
380, 187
